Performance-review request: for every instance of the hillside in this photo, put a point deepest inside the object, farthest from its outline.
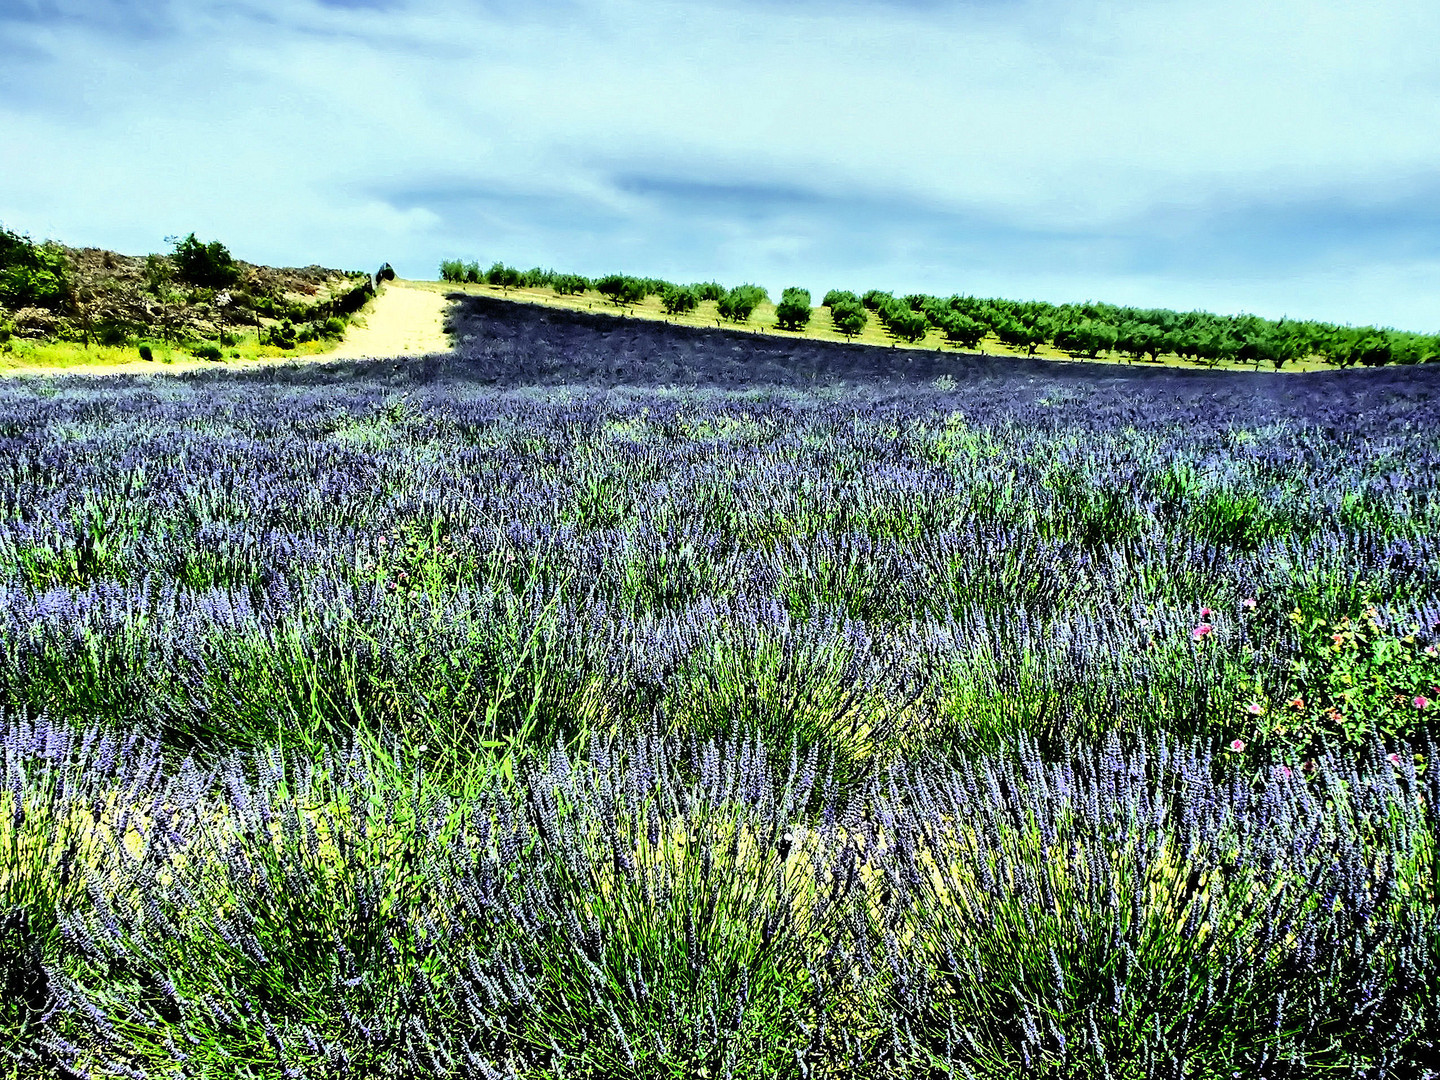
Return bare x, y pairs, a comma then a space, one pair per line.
61, 305
995, 326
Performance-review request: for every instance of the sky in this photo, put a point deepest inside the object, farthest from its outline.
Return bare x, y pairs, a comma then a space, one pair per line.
1280, 157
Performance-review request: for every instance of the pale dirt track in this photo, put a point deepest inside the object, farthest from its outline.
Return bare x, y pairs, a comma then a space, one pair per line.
401, 321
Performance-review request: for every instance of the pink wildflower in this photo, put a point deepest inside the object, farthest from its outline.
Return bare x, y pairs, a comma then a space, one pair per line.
1238, 745
1422, 702
1254, 708
1205, 613
1394, 759
1202, 631
1284, 772
1248, 603
1297, 703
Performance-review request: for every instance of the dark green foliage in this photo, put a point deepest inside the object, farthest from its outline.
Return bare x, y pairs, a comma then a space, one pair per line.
621, 289
452, 270
793, 311
507, 277
842, 297
875, 300
709, 290
569, 284
32, 275
679, 299
207, 352
1088, 337
848, 315
146, 353
202, 265
282, 334
159, 273
903, 321
739, 303
962, 330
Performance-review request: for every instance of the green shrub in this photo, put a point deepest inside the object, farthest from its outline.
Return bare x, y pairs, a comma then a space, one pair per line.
849, 316
145, 353
902, 321
569, 284
1356, 679
621, 289
836, 297
678, 299
282, 335
31, 275
452, 270
793, 312
207, 352
961, 330
208, 266
507, 277
709, 290
739, 303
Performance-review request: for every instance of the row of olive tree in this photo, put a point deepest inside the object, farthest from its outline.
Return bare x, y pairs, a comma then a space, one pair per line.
1088, 330
736, 304
1093, 329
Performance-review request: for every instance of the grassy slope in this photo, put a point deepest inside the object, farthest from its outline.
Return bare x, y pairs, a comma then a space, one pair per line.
820, 328
45, 356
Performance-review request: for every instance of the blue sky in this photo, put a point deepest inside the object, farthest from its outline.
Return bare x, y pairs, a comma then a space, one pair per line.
1281, 157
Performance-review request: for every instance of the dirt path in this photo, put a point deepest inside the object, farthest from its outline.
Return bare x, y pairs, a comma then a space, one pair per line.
401, 321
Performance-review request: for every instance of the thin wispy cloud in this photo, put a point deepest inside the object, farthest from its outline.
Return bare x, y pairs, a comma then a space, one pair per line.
1280, 158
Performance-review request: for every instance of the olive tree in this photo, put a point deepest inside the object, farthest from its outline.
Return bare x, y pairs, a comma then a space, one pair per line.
793, 312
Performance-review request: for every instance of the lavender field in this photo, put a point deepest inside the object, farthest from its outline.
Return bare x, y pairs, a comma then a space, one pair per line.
609, 699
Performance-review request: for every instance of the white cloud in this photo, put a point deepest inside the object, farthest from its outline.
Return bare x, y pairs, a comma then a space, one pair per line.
1172, 150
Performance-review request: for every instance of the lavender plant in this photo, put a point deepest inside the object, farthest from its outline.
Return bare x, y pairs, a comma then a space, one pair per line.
670, 702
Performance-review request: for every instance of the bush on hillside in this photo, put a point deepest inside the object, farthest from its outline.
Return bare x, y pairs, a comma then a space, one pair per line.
507, 277
962, 331
739, 303
31, 275
569, 284
679, 299
793, 312
202, 265
848, 315
621, 289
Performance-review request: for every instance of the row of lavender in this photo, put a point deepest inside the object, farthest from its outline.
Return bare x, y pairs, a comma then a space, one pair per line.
703, 909
207, 556
1112, 700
